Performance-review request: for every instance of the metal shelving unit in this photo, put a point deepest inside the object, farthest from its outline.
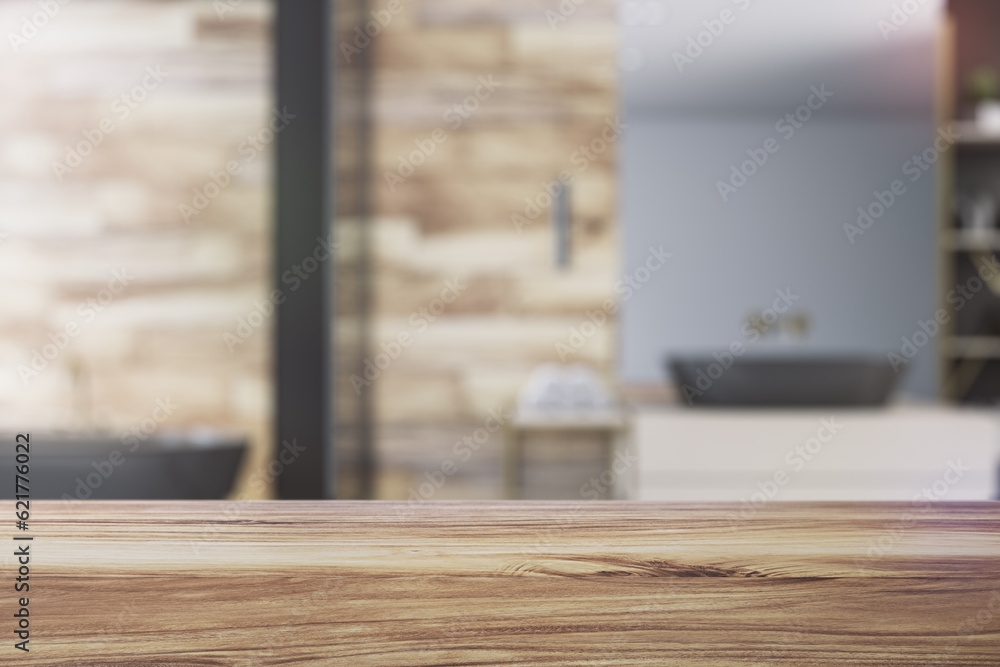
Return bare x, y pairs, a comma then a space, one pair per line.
969, 349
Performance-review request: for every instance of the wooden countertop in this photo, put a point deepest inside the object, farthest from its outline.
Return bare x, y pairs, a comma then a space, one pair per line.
516, 583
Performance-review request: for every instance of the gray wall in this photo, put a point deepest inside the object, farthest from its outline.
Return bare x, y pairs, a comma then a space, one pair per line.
784, 227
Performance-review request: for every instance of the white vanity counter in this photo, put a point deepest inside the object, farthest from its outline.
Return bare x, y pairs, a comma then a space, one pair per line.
892, 453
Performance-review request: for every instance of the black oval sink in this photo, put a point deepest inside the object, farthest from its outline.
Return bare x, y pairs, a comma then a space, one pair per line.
840, 381
94, 467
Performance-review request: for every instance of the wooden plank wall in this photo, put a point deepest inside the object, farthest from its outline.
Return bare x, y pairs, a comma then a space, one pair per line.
66, 233
555, 75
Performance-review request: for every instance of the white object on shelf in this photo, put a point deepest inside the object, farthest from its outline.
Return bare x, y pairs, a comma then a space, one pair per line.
556, 389
988, 116
978, 214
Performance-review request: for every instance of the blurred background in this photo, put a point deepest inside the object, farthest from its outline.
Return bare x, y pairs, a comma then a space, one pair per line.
726, 250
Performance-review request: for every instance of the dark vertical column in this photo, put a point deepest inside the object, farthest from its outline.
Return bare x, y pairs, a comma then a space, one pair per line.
302, 185
366, 459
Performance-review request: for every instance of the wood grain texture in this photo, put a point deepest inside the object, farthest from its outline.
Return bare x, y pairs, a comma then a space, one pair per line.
454, 218
66, 233
585, 583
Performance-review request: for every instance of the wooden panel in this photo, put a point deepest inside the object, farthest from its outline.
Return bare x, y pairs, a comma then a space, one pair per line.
64, 234
512, 584
553, 68
511, 11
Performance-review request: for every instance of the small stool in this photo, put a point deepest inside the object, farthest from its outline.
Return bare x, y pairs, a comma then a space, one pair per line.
611, 424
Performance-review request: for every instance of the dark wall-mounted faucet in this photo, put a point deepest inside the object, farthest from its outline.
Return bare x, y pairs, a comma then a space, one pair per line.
561, 214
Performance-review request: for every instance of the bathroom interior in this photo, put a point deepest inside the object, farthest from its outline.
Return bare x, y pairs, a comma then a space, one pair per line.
589, 249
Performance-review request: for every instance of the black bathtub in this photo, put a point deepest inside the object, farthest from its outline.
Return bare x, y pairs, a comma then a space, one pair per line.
182, 466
